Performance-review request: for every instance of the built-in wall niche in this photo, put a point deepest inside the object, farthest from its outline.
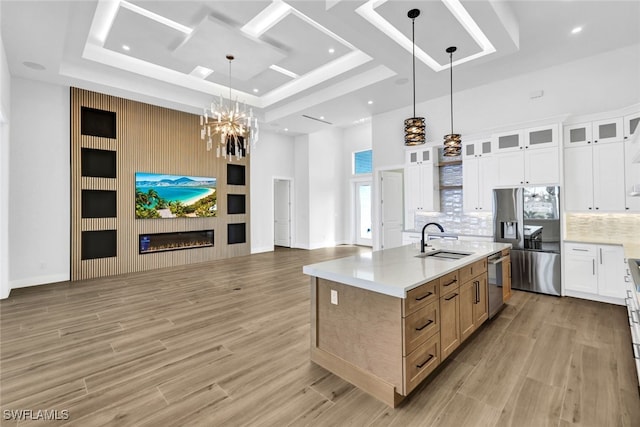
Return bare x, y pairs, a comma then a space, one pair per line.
98, 163
99, 244
236, 204
236, 233
235, 174
96, 122
163, 242
99, 204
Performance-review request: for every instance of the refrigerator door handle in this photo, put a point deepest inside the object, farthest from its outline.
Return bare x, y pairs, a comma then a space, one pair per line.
594, 266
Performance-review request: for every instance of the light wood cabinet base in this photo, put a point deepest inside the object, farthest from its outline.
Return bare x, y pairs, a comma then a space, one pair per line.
362, 379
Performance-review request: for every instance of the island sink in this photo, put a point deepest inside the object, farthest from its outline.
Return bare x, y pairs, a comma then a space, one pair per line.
448, 255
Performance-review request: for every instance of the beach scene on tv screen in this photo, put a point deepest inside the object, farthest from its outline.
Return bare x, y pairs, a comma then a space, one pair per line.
175, 196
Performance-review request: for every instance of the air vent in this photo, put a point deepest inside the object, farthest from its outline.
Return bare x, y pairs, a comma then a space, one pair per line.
317, 119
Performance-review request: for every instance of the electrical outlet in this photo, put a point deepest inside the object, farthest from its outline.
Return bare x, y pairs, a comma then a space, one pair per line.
334, 297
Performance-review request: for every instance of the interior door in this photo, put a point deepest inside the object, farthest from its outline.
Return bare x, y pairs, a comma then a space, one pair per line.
363, 213
282, 212
391, 210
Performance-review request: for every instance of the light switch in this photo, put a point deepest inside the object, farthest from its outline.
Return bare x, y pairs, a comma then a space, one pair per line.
334, 297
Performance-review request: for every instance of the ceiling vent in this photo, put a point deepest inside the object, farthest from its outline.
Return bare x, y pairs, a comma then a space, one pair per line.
317, 119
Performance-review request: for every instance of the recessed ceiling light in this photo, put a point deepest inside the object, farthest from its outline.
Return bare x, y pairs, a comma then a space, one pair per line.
126, 47
576, 30
255, 90
370, 102
321, 117
33, 65
286, 129
332, 50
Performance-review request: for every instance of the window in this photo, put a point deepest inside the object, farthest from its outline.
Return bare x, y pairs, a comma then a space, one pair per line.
362, 162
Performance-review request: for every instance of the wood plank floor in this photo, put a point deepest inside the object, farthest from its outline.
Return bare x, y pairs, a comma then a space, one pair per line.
227, 343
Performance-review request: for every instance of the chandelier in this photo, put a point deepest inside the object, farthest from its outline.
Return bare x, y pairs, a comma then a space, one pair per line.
452, 142
414, 126
233, 129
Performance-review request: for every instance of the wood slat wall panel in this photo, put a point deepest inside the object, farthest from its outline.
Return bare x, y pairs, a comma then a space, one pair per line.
148, 139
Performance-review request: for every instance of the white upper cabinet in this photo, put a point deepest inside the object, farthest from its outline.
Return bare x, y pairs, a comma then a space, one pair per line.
595, 178
631, 125
479, 148
534, 160
420, 156
578, 134
598, 132
508, 141
609, 130
541, 137
479, 177
632, 174
421, 184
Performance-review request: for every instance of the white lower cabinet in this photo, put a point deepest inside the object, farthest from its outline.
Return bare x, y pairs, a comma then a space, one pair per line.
594, 272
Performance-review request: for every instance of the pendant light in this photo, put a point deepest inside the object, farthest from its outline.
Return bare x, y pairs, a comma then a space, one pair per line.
414, 128
452, 142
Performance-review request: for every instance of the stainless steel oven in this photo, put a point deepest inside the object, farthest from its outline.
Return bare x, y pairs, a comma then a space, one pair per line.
494, 270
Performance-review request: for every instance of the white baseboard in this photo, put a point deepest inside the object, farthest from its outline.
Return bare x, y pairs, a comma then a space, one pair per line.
39, 280
594, 297
262, 249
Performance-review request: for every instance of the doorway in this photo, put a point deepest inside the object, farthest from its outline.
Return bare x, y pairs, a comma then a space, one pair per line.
363, 222
282, 212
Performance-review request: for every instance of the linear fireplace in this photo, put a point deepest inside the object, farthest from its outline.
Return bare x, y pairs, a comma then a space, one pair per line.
162, 242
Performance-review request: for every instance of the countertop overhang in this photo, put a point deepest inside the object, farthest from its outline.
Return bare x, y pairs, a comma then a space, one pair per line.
396, 271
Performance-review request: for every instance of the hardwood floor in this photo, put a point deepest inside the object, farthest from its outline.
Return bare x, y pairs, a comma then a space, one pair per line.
227, 343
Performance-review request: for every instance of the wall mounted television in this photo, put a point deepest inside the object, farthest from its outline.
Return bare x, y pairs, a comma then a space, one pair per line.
175, 196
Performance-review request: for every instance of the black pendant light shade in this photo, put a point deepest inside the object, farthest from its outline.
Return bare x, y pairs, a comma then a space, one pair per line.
414, 127
453, 141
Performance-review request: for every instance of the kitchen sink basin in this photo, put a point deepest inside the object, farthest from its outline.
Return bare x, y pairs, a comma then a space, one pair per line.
445, 255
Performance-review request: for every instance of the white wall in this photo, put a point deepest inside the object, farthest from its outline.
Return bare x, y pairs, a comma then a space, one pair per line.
39, 184
301, 192
326, 189
272, 158
5, 118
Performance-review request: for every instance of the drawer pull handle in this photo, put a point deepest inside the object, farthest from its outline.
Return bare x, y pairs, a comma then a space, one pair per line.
428, 294
425, 325
635, 319
451, 282
451, 297
580, 250
425, 362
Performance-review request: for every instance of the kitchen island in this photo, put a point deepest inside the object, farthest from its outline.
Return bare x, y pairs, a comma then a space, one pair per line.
385, 320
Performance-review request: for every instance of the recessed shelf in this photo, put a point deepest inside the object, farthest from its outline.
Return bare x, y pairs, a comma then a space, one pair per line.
451, 163
451, 187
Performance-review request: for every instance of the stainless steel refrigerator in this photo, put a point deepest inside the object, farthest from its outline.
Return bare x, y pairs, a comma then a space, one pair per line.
529, 219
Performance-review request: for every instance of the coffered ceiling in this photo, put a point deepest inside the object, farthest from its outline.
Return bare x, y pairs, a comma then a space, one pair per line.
338, 61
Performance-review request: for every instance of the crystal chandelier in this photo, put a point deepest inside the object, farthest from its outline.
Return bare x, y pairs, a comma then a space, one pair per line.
236, 129
452, 142
414, 132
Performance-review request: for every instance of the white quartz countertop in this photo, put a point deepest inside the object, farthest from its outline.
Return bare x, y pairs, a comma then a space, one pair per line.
395, 271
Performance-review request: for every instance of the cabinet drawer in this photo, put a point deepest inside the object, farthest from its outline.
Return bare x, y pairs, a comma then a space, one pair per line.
580, 249
421, 363
420, 325
449, 282
472, 270
505, 252
420, 296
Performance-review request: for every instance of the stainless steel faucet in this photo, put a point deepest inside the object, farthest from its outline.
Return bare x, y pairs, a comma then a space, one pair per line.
422, 242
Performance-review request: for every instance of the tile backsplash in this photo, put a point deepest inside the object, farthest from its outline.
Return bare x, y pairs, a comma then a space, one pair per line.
613, 228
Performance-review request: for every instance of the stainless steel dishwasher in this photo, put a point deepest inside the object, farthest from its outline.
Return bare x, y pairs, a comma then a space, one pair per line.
494, 268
